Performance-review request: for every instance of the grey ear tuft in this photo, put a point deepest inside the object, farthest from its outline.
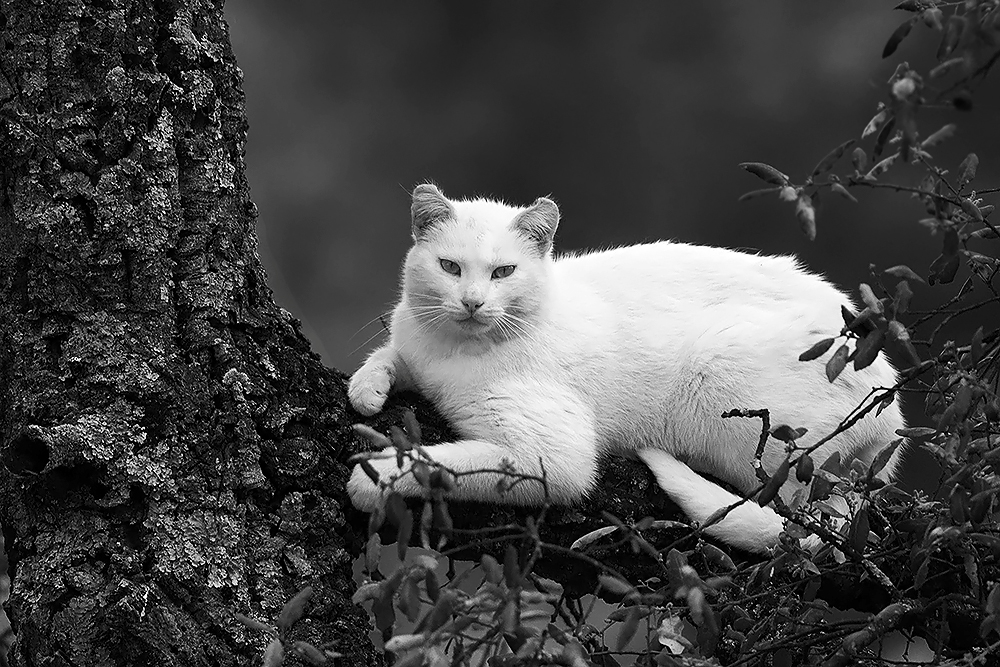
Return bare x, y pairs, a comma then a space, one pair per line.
429, 208
538, 223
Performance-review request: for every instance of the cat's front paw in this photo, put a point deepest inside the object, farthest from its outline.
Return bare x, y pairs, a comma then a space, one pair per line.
369, 388
365, 494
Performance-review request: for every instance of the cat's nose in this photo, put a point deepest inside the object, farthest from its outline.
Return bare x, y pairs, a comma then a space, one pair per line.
472, 305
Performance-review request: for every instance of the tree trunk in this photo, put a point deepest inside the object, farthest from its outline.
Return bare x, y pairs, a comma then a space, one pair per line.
169, 442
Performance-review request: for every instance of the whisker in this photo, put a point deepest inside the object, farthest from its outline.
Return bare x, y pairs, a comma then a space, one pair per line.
378, 318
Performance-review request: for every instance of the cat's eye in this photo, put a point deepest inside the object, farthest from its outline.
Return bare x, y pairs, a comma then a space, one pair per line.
503, 271
451, 267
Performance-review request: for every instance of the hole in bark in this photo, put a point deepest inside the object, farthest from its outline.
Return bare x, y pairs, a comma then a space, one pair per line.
86, 211
27, 454
66, 479
200, 120
98, 490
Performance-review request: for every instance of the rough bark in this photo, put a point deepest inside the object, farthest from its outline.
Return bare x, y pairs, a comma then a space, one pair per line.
169, 442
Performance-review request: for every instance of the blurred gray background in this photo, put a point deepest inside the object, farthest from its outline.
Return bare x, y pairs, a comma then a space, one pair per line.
633, 116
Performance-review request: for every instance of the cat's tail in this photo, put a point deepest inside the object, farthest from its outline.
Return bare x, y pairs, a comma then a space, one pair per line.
748, 526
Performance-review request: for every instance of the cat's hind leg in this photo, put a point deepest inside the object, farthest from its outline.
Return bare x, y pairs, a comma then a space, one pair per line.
748, 526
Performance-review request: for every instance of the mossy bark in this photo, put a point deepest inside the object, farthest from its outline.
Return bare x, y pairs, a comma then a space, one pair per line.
170, 445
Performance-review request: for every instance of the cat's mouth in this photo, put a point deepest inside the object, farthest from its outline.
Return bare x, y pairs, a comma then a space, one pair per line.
473, 324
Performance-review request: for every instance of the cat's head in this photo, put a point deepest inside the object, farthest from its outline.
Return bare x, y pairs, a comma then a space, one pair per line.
478, 268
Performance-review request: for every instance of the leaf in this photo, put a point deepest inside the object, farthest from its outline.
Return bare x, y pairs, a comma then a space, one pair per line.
628, 628
901, 300
967, 170
369, 470
770, 489
403, 534
442, 479
932, 18
557, 633
421, 473
395, 508
945, 67
409, 600
976, 347
293, 609
574, 655
859, 158
836, 363
411, 425
401, 643
817, 350
491, 569
274, 654
971, 209
946, 132
842, 191
375, 520
963, 400
826, 164
804, 469
432, 585
917, 432
806, 214
868, 296
442, 518
511, 567
959, 505
615, 585
309, 652
399, 439
372, 436
873, 126
868, 348
833, 464
883, 456
898, 35
254, 624
953, 30
943, 269
757, 193
373, 552
903, 271
881, 167
708, 634
670, 634
718, 558
858, 533
784, 432
591, 537
765, 172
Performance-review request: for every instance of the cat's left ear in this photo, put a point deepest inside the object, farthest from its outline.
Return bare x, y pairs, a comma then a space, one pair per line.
538, 224
430, 207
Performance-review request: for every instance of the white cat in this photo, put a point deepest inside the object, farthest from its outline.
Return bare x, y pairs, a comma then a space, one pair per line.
638, 349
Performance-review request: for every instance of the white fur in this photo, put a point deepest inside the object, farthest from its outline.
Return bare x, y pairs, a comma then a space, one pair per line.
635, 349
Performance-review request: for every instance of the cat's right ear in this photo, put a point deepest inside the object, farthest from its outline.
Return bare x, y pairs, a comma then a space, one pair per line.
429, 208
538, 223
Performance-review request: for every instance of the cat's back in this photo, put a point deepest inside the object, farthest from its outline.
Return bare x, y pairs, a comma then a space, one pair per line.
681, 278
